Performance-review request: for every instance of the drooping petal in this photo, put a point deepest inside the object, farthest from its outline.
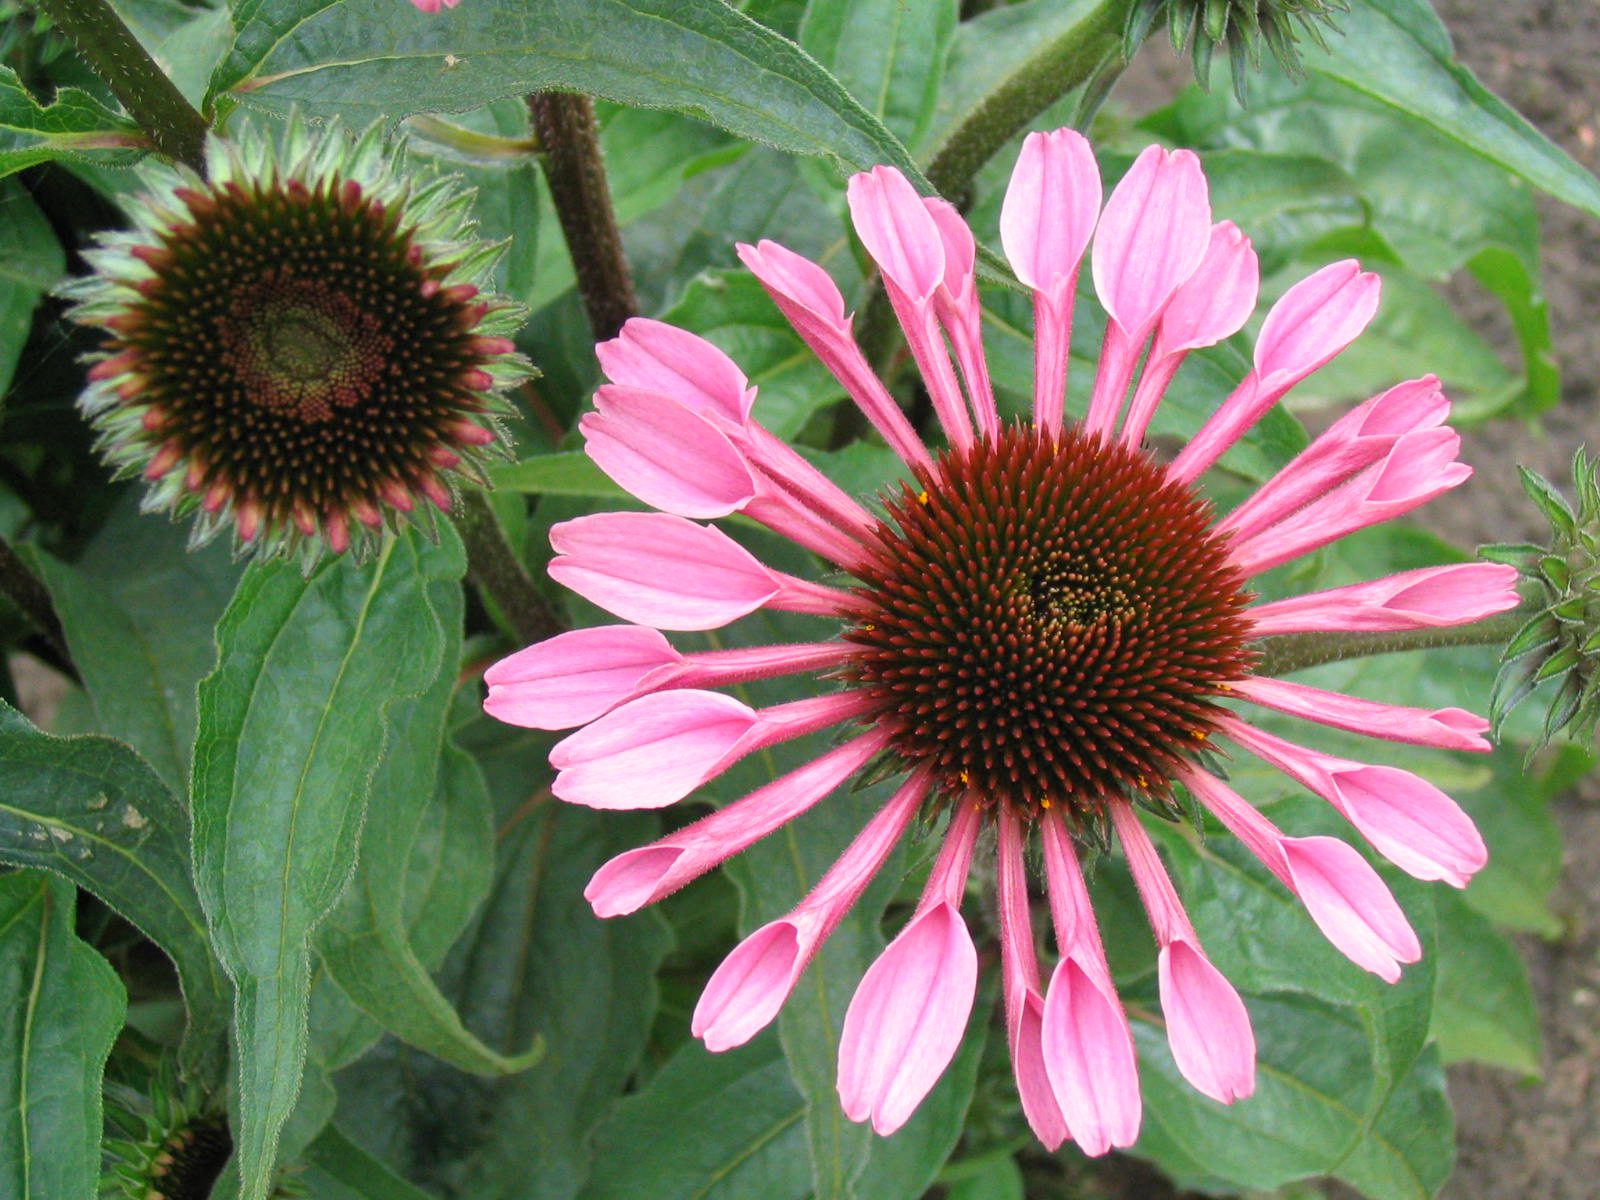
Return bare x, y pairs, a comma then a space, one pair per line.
898, 231
907, 1017
669, 457
1426, 598
1351, 905
661, 570
658, 357
1446, 728
1089, 1056
574, 677
1207, 1025
956, 306
646, 874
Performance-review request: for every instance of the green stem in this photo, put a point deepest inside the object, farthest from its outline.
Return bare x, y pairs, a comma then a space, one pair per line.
1073, 57
176, 129
498, 573
1297, 651
565, 125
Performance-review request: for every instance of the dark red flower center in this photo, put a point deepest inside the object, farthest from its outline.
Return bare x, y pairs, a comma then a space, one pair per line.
1052, 620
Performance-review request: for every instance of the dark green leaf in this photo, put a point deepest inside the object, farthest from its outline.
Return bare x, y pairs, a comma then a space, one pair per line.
568, 473
73, 125
1484, 1011
291, 725
31, 263
90, 809
64, 1006
887, 54
697, 57
335, 1168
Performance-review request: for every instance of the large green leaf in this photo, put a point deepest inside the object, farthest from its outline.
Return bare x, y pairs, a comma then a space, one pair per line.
139, 654
708, 1127
31, 263
90, 809
365, 59
291, 726
335, 1168
1484, 1011
1398, 53
887, 54
366, 944
64, 1006
73, 125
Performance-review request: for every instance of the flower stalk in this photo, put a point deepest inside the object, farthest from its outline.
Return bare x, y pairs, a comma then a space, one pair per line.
1298, 651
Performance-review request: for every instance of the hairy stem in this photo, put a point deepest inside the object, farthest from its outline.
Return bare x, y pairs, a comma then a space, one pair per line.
175, 128
566, 129
1297, 651
498, 573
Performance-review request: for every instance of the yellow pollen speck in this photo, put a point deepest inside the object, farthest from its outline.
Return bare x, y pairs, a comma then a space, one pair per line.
1143, 782
965, 778
922, 497
1045, 803
1199, 735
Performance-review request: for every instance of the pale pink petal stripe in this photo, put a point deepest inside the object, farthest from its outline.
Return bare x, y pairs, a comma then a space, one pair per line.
908, 1016
1051, 205
647, 874
654, 751
1357, 440
956, 306
1446, 728
810, 300
662, 358
1207, 1025
661, 570
1418, 467
1426, 598
1088, 1046
1019, 976
665, 454
1212, 304
1339, 888
1311, 323
1408, 820
746, 991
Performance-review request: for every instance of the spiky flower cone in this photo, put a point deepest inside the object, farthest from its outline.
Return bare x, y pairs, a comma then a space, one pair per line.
300, 344
1241, 27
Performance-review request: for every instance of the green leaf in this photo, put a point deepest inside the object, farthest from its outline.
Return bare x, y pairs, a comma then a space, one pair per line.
566, 473
291, 725
366, 944
91, 810
139, 654
1484, 1011
697, 57
64, 1008
708, 1127
335, 1168
888, 55
1398, 53
73, 125
31, 263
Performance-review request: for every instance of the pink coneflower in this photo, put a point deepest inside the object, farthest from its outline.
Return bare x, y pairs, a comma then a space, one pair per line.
1041, 631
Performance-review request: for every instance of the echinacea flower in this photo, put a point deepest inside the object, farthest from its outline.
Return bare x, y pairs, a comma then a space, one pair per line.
1041, 632
298, 344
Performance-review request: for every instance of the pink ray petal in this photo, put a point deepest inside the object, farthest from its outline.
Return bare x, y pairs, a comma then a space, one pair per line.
1429, 597
956, 305
910, 1011
661, 570
1409, 821
809, 298
1446, 728
666, 455
1049, 214
647, 874
1310, 324
574, 677
1418, 467
1351, 905
654, 751
658, 357
746, 991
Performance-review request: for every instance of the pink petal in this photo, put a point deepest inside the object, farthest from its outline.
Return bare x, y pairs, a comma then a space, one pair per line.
897, 231
745, 993
574, 677
809, 298
1207, 1025
1050, 209
1026, 1036
907, 1019
658, 357
665, 454
651, 752
642, 876
956, 304
1152, 236
1446, 728
1457, 594
1088, 1053
1215, 301
1417, 468
1351, 905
